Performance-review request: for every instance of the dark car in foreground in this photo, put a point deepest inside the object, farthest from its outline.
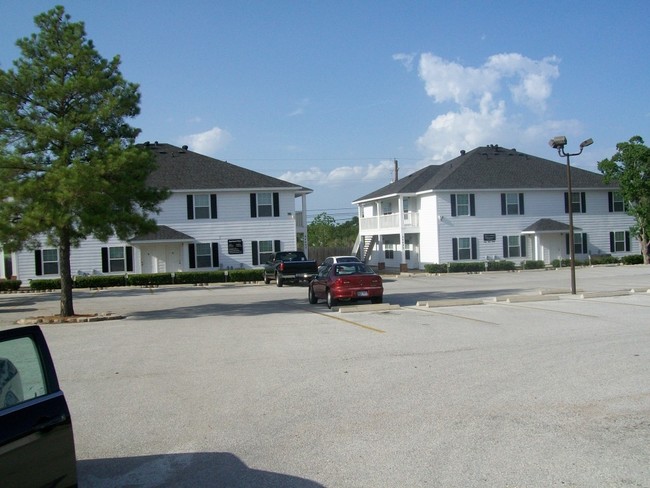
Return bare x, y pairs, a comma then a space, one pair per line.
346, 282
36, 439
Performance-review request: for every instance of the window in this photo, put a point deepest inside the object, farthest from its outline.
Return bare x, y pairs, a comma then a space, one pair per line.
619, 241
202, 206
512, 204
579, 243
578, 202
464, 248
204, 255
386, 208
616, 202
463, 204
117, 259
22, 373
389, 254
46, 262
514, 246
263, 250
265, 204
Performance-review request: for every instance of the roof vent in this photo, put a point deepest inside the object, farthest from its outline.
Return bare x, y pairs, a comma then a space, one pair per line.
462, 152
184, 148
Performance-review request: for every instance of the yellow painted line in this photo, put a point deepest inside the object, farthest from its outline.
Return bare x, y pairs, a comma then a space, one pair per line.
356, 324
436, 311
541, 309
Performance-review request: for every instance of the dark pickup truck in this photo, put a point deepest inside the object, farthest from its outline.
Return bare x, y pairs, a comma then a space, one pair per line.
289, 266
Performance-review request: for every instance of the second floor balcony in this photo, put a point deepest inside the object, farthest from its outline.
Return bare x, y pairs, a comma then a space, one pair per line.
390, 223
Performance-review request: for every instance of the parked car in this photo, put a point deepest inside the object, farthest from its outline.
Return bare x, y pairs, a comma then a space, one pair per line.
346, 282
339, 259
289, 266
36, 439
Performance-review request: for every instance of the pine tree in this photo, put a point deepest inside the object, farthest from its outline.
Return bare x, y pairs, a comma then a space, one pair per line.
69, 166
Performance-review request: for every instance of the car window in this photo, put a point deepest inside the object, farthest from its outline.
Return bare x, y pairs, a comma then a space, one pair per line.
21, 372
352, 268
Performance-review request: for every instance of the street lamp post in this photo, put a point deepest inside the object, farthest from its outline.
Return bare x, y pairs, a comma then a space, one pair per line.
558, 143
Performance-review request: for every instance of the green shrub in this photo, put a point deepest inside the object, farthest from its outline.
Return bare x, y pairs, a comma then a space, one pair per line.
539, 264
150, 279
44, 285
467, 267
10, 285
436, 268
604, 259
99, 281
632, 259
565, 263
500, 265
199, 277
246, 275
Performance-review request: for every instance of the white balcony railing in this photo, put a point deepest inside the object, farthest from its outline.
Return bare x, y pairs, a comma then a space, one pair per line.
390, 223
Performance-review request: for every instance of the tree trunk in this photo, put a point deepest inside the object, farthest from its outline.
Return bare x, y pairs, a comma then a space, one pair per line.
67, 309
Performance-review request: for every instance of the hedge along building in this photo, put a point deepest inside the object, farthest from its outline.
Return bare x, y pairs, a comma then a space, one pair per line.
218, 216
492, 203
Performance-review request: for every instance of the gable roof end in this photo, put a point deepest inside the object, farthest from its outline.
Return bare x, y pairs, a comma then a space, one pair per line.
492, 168
182, 169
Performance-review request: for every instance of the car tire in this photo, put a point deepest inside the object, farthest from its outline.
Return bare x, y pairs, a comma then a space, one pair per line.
376, 299
267, 280
331, 301
313, 299
278, 280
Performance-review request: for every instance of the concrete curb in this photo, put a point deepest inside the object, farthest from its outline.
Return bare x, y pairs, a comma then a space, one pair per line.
374, 307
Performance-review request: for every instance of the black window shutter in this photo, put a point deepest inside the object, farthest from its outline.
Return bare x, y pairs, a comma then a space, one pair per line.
627, 241
453, 205
129, 258
505, 247
583, 200
276, 204
521, 204
472, 205
454, 244
611, 242
276, 246
213, 205
610, 199
104, 260
523, 246
566, 202
503, 204
38, 259
474, 248
192, 251
584, 243
215, 255
253, 205
256, 259
190, 207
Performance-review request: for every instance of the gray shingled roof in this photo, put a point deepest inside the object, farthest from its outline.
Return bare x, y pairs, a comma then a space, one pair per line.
492, 167
548, 225
163, 233
182, 169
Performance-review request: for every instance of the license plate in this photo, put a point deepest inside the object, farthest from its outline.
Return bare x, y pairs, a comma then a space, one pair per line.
362, 293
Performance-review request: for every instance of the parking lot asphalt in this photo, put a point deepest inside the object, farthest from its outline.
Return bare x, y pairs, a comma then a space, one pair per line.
250, 386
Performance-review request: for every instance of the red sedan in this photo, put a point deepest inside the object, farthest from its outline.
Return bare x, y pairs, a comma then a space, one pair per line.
346, 282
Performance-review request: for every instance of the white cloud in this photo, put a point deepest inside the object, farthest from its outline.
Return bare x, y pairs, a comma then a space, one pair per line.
342, 175
501, 101
300, 109
208, 142
405, 59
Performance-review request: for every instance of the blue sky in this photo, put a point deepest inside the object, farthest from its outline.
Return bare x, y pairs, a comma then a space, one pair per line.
327, 94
